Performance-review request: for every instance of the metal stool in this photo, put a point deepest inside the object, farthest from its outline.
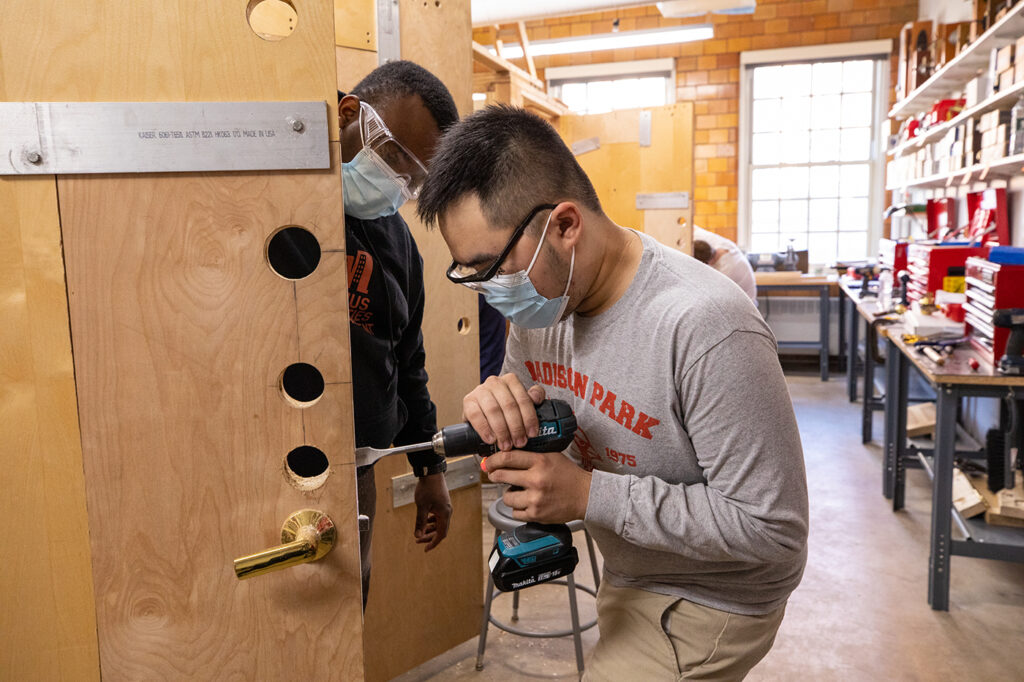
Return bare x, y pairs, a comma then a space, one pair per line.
500, 516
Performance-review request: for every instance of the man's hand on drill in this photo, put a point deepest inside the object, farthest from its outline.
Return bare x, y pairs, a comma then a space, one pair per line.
502, 411
433, 511
555, 489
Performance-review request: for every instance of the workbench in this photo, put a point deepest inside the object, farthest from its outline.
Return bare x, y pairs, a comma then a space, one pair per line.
824, 286
952, 381
864, 310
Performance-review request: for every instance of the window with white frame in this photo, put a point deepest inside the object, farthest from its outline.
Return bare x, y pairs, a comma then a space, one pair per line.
813, 169
600, 88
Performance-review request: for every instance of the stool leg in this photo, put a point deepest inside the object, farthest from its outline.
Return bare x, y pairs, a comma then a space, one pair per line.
488, 598
577, 640
515, 606
593, 559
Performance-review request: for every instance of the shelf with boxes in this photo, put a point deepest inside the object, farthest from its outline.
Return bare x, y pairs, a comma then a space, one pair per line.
972, 58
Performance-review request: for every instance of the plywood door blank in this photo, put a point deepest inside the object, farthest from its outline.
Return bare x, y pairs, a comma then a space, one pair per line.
181, 330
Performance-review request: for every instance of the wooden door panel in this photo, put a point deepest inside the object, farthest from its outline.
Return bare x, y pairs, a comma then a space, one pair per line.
181, 331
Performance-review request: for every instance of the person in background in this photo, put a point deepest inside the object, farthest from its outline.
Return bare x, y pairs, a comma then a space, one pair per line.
687, 466
390, 123
724, 256
492, 339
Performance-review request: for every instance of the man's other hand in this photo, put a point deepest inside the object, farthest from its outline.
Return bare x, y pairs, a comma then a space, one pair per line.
433, 511
502, 411
554, 488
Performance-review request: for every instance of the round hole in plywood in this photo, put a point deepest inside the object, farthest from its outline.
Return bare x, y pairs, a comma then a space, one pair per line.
302, 384
307, 467
271, 19
293, 252
463, 325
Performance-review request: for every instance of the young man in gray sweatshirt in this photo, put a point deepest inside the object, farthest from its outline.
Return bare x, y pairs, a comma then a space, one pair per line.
687, 466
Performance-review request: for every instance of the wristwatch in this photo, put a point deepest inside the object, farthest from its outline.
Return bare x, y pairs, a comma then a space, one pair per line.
421, 469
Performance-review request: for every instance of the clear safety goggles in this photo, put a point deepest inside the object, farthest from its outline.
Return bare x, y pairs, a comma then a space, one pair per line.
390, 155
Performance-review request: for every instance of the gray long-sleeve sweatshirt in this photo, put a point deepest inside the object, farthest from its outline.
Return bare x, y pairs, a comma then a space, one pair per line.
698, 488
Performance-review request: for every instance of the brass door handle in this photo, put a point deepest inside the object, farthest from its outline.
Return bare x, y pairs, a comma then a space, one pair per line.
307, 535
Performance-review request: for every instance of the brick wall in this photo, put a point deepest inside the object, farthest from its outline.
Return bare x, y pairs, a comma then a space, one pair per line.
707, 72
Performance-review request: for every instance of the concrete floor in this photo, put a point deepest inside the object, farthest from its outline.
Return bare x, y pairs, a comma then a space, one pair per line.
861, 612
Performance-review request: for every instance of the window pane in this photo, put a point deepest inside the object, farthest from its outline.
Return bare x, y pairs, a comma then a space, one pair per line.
855, 144
762, 243
766, 116
854, 180
853, 245
858, 76
764, 216
821, 248
856, 110
824, 181
601, 97
575, 96
792, 182
764, 149
764, 184
853, 215
796, 147
825, 145
795, 80
825, 112
796, 113
767, 81
793, 215
827, 78
823, 215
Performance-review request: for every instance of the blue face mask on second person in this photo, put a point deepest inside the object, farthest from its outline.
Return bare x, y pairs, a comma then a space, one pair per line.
515, 297
369, 191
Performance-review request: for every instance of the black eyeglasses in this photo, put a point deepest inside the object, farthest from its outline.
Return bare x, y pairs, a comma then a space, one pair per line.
461, 274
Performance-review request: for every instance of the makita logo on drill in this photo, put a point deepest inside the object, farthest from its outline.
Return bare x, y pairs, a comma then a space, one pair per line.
548, 430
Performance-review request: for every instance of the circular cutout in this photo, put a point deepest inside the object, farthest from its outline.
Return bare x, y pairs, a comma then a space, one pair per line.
293, 252
463, 325
302, 384
271, 19
307, 467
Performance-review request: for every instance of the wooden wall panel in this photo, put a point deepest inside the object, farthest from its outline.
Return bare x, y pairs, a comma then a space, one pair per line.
621, 168
355, 24
181, 330
48, 613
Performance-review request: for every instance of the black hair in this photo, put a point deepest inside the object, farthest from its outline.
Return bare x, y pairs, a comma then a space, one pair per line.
402, 78
703, 251
511, 159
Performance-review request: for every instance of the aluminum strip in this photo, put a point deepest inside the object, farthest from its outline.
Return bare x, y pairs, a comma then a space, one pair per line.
676, 200
45, 138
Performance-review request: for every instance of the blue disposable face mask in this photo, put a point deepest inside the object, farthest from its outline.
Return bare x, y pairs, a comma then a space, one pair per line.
369, 191
515, 297
371, 188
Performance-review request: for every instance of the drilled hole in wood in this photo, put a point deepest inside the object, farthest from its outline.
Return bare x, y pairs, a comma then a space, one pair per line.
293, 252
307, 467
463, 325
271, 19
302, 384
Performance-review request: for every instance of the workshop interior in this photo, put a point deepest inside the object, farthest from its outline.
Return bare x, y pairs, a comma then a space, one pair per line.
187, 488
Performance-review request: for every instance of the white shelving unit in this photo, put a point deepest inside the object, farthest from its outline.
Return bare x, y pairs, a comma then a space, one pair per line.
948, 81
962, 68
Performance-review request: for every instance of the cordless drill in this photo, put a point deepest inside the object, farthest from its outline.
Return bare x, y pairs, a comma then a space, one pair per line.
529, 554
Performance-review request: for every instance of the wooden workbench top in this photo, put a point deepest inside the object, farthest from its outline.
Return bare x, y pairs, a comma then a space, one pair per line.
956, 369
792, 278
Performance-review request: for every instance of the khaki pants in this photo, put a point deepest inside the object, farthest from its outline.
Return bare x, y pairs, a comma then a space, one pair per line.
648, 636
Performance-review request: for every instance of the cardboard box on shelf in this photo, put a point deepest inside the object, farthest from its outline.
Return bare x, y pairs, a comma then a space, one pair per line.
978, 89
1006, 79
1004, 58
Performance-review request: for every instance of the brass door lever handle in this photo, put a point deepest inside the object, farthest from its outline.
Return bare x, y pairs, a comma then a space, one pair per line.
307, 535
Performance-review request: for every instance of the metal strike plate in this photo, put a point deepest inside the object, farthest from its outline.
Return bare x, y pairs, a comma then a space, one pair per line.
643, 133
45, 138
462, 473
588, 144
663, 200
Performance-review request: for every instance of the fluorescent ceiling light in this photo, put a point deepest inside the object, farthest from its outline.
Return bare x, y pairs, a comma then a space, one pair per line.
612, 41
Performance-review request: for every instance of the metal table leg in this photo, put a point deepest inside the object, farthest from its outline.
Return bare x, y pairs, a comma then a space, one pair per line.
892, 360
842, 328
853, 322
942, 498
823, 309
868, 410
900, 433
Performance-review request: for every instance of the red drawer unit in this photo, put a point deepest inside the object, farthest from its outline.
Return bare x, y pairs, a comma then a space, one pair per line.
930, 264
892, 254
991, 286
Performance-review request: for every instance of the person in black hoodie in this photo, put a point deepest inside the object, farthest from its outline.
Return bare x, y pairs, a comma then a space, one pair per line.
390, 123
